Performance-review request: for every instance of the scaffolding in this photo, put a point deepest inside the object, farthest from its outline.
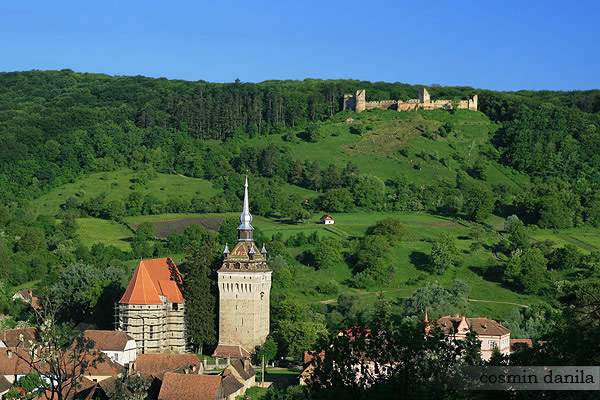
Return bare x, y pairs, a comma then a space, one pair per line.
156, 328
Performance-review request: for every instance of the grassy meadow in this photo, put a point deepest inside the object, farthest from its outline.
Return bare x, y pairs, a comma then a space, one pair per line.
390, 144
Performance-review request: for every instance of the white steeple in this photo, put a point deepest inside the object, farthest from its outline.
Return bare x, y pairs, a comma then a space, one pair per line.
245, 216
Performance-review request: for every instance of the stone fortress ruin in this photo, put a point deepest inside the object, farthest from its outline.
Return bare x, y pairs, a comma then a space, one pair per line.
358, 103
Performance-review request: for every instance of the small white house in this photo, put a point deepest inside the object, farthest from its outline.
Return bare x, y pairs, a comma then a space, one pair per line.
117, 345
327, 219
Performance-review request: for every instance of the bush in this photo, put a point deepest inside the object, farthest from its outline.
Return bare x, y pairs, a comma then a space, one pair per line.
331, 288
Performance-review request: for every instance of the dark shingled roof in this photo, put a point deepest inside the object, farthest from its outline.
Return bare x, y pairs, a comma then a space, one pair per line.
239, 367
482, 326
190, 387
4, 384
230, 384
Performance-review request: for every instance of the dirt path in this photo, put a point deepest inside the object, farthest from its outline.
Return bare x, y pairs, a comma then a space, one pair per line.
364, 292
500, 302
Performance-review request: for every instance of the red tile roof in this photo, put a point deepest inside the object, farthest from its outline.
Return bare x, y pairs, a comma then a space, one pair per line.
12, 337
190, 387
158, 364
231, 351
482, 326
108, 340
152, 278
11, 364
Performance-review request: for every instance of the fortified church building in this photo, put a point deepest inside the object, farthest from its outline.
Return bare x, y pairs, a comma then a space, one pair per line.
244, 281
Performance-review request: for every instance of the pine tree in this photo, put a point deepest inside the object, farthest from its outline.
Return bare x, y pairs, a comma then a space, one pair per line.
200, 298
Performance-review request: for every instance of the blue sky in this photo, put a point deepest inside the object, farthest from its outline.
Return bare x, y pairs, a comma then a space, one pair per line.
500, 45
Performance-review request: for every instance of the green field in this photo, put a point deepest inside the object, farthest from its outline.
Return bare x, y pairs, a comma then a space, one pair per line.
96, 230
391, 144
119, 184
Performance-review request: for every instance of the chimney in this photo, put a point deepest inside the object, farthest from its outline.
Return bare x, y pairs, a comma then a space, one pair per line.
9, 353
246, 364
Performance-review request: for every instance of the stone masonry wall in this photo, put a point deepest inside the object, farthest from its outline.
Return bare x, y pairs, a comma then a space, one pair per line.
359, 104
244, 308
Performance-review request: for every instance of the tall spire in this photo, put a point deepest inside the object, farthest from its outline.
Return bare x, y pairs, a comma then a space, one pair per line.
245, 217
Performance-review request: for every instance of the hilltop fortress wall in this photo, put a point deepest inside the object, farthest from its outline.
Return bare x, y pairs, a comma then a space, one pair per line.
358, 103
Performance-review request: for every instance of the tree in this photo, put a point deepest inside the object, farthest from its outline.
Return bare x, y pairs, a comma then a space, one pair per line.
438, 301
316, 176
332, 180
526, 269
228, 230
369, 192
566, 257
200, 307
59, 358
390, 228
479, 202
336, 200
268, 350
518, 238
313, 132
444, 254
328, 252
77, 292
399, 362
145, 231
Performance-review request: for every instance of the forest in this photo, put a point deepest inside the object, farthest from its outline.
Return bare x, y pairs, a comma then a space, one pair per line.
59, 127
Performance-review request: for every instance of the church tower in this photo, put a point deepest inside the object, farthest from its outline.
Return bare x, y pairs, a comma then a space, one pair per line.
244, 282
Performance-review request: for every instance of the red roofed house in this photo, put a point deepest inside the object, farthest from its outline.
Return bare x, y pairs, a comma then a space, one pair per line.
117, 345
152, 310
490, 333
191, 387
327, 219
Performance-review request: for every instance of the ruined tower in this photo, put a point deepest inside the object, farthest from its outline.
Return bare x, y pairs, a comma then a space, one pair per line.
244, 281
360, 100
424, 96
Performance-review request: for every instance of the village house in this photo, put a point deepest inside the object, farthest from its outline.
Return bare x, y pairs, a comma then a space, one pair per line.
327, 219
191, 387
28, 296
19, 337
152, 310
157, 365
491, 333
117, 345
237, 378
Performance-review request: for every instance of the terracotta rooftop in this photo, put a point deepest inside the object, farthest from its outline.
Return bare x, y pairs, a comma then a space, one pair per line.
151, 279
482, 326
326, 217
231, 351
107, 367
190, 387
158, 364
11, 364
11, 337
108, 340
82, 390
